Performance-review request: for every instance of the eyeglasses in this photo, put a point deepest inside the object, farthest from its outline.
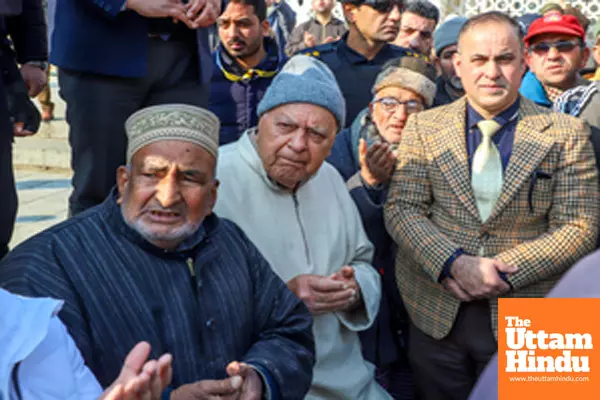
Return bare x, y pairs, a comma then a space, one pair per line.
391, 104
562, 46
384, 6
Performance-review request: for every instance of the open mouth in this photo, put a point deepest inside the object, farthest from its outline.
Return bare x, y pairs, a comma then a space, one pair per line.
164, 213
161, 216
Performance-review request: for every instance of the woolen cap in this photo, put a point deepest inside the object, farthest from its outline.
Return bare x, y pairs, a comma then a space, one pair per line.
413, 73
447, 33
172, 122
304, 79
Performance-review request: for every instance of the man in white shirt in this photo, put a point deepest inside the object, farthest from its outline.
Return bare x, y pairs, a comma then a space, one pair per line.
39, 360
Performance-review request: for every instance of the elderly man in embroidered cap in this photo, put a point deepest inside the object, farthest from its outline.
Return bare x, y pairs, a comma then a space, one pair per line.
153, 263
297, 210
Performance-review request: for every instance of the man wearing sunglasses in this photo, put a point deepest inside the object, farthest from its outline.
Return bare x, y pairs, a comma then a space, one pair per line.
556, 52
357, 58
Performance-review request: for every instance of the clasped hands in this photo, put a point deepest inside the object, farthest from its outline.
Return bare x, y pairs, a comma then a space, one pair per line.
195, 13
243, 383
477, 278
325, 294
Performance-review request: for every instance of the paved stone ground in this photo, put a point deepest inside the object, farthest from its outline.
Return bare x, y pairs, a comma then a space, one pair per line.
42, 201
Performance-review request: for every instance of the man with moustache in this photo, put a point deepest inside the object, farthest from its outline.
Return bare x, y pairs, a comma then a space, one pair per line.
418, 22
322, 28
556, 53
153, 263
493, 196
358, 56
244, 65
445, 38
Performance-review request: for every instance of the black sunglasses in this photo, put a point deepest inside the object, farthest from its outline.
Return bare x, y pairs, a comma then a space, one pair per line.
562, 46
384, 6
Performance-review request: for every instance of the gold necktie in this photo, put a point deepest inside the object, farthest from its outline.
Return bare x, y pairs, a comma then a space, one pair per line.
486, 171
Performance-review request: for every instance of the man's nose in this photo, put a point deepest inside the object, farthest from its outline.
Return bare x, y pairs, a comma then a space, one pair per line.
400, 113
553, 53
395, 14
167, 190
491, 70
298, 141
415, 41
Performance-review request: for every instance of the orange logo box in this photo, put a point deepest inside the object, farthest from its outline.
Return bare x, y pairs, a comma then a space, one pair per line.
548, 349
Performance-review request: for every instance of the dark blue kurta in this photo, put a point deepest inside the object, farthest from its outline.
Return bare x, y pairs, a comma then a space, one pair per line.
119, 289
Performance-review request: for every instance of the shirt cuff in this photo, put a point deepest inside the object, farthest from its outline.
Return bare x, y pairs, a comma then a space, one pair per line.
446, 268
271, 391
166, 394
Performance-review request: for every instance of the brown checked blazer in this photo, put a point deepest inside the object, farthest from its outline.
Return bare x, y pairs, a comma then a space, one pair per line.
544, 221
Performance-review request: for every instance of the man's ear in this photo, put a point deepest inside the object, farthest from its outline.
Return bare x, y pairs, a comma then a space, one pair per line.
213, 196
456, 61
123, 177
585, 56
349, 11
265, 28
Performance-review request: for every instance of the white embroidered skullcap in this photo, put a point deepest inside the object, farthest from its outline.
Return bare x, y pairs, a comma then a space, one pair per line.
172, 122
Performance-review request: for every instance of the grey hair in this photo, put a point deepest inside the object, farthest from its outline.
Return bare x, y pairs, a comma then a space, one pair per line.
423, 8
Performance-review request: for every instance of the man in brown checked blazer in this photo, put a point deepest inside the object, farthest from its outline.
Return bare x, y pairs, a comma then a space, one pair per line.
492, 197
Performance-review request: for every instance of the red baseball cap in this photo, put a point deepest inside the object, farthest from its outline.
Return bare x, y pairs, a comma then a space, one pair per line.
555, 23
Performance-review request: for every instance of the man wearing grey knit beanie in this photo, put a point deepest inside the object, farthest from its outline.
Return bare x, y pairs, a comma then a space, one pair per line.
296, 209
445, 39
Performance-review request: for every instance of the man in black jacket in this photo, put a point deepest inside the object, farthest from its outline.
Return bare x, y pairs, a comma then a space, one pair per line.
23, 22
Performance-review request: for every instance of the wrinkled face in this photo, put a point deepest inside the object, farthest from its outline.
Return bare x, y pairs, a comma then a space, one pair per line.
293, 141
240, 31
390, 116
416, 33
167, 191
490, 63
375, 26
322, 6
556, 67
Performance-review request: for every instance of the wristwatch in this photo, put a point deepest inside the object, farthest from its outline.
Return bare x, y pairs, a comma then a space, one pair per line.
43, 65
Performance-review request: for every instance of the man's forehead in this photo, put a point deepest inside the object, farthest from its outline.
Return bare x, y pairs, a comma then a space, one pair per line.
296, 113
164, 154
416, 21
482, 39
237, 11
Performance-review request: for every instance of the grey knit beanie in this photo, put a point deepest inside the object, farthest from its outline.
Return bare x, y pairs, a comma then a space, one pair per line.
447, 33
172, 122
305, 79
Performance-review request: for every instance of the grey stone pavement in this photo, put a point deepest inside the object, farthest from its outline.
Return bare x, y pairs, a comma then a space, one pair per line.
42, 175
42, 201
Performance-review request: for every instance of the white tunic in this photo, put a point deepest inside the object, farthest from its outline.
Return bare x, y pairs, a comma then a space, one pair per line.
316, 230
51, 367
